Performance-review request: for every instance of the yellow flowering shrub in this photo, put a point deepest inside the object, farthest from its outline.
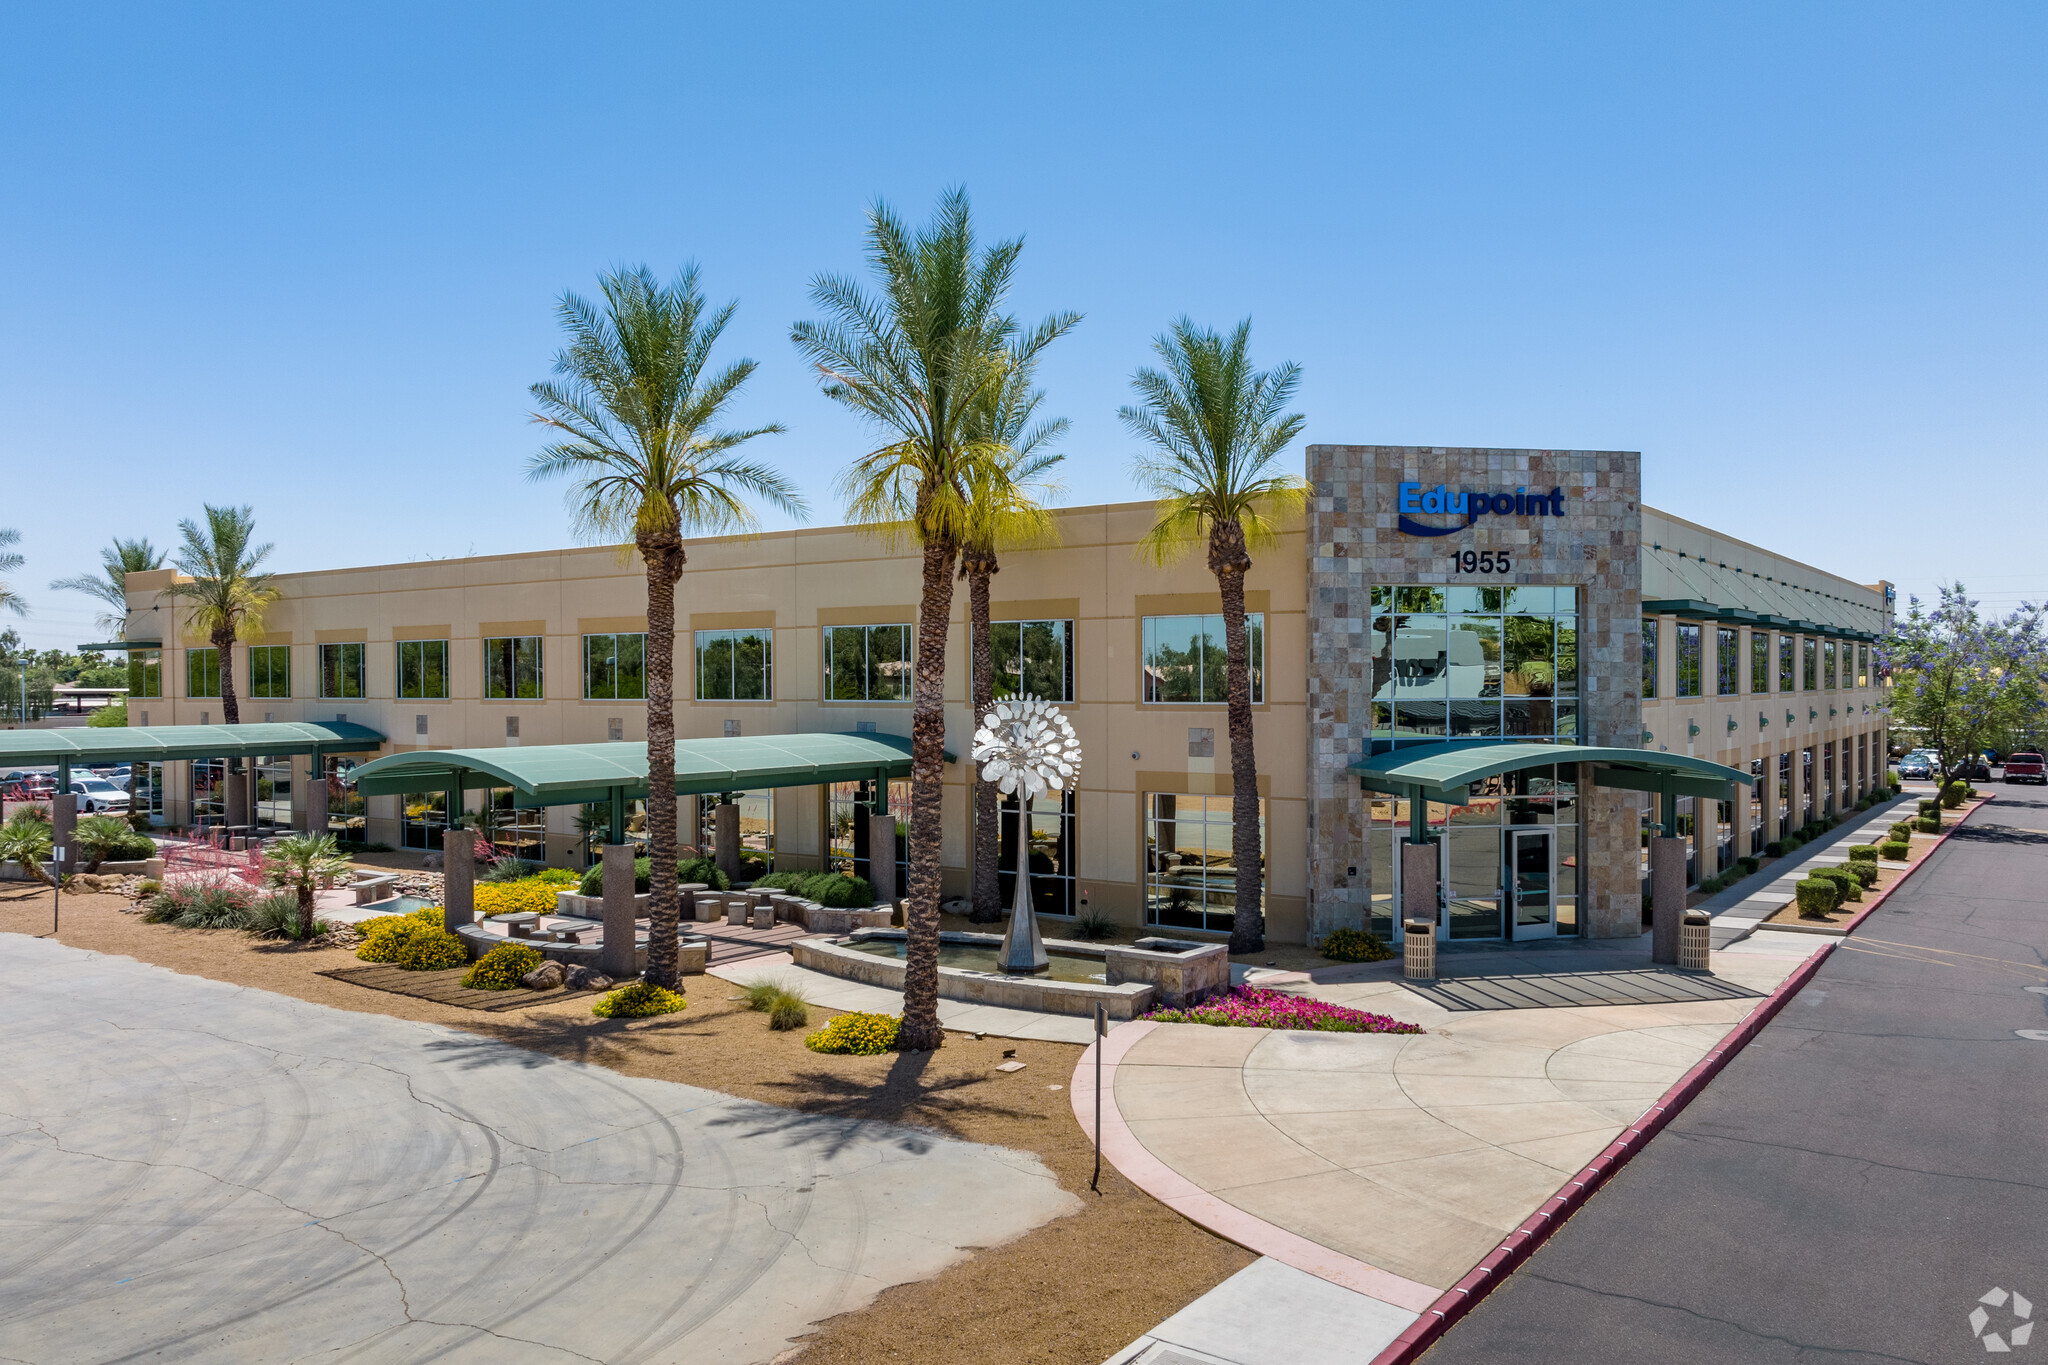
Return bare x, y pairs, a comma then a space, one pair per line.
430, 950
530, 895
386, 934
640, 1000
857, 1035
501, 968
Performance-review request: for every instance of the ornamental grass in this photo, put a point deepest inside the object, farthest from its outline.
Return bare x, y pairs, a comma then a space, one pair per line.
1252, 1007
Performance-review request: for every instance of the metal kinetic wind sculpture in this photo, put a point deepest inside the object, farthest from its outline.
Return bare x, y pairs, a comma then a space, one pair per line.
1026, 747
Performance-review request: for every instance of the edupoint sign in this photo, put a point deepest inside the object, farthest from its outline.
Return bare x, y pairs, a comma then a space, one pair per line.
1472, 504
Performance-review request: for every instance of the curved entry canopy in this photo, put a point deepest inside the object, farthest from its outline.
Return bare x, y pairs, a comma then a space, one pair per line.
157, 743
573, 774
1439, 772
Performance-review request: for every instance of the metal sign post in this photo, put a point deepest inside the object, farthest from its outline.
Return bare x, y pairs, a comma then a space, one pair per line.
56, 892
1101, 1041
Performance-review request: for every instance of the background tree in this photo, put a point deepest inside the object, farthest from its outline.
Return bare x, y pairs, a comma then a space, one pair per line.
1963, 681
110, 587
637, 408
1005, 509
229, 592
10, 560
921, 360
1215, 425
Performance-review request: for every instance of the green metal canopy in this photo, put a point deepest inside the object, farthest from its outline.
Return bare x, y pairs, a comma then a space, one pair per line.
1444, 770
156, 743
572, 774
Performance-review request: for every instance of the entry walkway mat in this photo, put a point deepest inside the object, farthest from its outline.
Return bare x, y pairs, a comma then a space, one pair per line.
1558, 990
446, 988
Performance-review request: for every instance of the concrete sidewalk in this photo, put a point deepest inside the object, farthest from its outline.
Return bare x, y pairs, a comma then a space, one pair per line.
961, 1016
1738, 909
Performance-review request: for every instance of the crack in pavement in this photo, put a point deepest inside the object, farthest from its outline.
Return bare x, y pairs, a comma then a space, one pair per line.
1845, 1352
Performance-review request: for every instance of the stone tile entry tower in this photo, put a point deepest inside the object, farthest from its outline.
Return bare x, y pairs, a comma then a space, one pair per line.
1356, 540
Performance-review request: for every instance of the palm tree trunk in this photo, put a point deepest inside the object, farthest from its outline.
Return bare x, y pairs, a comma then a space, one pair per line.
663, 555
921, 1031
1229, 559
230, 706
987, 895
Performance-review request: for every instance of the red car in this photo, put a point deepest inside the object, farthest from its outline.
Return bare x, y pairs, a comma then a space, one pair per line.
2025, 768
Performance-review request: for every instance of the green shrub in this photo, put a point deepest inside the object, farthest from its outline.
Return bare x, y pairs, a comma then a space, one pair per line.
508, 870
1793, 841
1952, 795
1865, 872
556, 876
691, 870
1818, 897
1969, 793
501, 968
278, 915
1895, 850
1928, 824
1902, 830
1355, 945
1774, 849
1094, 926
857, 1035
785, 1008
147, 887
190, 903
108, 838
1930, 806
417, 941
1852, 886
833, 889
1748, 864
641, 1000
1863, 853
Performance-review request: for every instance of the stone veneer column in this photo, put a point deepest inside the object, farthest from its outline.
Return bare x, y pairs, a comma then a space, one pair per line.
1354, 543
1667, 897
618, 955
725, 839
882, 865
316, 800
458, 878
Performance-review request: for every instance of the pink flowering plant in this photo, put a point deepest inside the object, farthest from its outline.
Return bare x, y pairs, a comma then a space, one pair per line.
1251, 1007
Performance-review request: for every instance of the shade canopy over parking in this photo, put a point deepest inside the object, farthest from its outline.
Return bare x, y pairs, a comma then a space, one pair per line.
87, 745
1445, 771
573, 774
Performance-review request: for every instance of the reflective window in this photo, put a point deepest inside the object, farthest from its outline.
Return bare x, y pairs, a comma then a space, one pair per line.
423, 670
1033, 658
1190, 872
1785, 648
1186, 659
1810, 657
341, 671
515, 831
1727, 662
1052, 853
1688, 659
1759, 661
1486, 663
1828, 666
737, 665
867, 663
270, 671
145, 673
847, 808
615, 667
202, 672
1652, 628
757, 830
512, 667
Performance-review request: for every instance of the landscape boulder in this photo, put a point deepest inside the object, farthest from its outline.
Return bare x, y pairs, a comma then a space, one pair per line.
585, 979
546, 977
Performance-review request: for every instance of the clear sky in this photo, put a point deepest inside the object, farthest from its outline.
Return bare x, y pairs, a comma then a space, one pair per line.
306, 257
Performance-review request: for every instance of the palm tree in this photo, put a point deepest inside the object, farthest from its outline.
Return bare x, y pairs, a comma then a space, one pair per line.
111, 586
1214, 425
636, 410
920, 362
10, 560
228, 592
298, 863
1003, 496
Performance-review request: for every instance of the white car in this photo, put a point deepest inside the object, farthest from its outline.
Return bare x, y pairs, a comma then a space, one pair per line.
97, 796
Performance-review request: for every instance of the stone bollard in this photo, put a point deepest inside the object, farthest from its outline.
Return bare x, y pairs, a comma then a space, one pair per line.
735, 909
1695, 941
690, 902
764, 913
618, 955
458, 878
1418, 950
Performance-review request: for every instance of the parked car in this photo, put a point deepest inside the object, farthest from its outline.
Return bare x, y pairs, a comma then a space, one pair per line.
97, 796
1976, 770
2026, 767
1913, 768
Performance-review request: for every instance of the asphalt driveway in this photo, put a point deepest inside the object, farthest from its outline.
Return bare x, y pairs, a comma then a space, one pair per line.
192, 1171
1867, 1181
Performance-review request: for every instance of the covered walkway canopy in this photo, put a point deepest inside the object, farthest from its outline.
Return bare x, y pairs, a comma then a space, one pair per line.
1444, 772
572, 774
87, 745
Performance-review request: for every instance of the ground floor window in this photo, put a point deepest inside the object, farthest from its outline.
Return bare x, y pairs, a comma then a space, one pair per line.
422, 819
1805, 787
149, 791
1052, 853
348, 810
274, 792
1784, 793
1757, 817
757, 829
847, 806
515, 831
1190, 876
1862, 763
1688, 830
1724, 835
1827, 778
1512, 850
209, 792
594, 824
1387, 825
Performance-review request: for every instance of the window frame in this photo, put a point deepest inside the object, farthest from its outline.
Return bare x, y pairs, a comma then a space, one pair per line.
1689, 663
204, 658
1150, 880
868, 665
701, 639
1727, 660
269, 675
1788, 663
1066, 665
610, 663
513, 648
1759, 663
399, 648
1255, 645
1809, 663
338, 652
1653, 631
145, 673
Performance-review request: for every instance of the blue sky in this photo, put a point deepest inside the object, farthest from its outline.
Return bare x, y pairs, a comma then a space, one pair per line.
306, 257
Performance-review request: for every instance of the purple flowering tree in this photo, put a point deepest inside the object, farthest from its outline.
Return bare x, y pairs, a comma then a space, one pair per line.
1964, 681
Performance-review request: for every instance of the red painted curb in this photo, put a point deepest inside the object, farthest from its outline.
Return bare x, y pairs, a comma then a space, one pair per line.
1462, 1297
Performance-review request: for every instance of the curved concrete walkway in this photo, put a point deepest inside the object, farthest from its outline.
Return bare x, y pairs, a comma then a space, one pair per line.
195, 1171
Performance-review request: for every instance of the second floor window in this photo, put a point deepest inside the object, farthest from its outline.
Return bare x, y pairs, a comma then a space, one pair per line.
867, 663
736, 665
1863, 665
512, 667
1185, 659
202, 672
423, 670
1785, 650
341, 671
615, 667
1759, 661
1810, 656
1727, 663
270, 671
1688, 659
145, 673
1651, 627
1033, 659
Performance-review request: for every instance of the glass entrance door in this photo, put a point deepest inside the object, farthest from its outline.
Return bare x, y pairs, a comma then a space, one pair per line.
1531, 887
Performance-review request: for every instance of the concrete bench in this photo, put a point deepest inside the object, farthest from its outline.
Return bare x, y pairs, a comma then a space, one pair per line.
375, 888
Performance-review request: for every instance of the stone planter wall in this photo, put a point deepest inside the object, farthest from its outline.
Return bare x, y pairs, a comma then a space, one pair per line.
1181, 972
1126, 1001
